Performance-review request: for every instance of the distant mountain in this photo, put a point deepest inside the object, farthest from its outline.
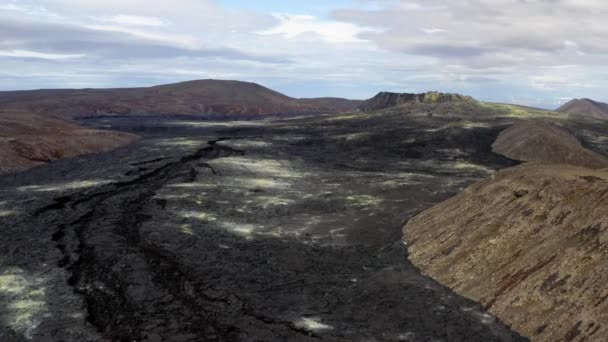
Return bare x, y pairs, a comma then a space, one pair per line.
586, 107
386, 99
203, 97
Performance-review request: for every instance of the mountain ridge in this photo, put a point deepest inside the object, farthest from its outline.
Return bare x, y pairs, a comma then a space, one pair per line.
585, 107
207, 97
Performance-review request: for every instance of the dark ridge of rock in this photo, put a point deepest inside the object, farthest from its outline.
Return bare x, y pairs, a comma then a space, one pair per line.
386, 99
539, 141
530, 243
586, 108
206, 98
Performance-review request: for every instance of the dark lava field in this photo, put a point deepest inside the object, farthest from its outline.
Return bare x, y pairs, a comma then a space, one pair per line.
269, 230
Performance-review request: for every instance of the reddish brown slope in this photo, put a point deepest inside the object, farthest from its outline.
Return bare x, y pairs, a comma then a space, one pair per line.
539, 141
586, 108
203, 97
28, 140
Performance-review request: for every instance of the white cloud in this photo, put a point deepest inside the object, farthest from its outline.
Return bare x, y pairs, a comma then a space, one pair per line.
546, 82
10, 7
135, 20
294, 26
39, 55
539, 32
434, 30
179, 39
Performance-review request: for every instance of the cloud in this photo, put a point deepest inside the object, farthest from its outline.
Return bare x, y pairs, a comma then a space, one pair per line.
40, 55
484, 32
295, 26
194, 16
135, 20
51, 40
434, 30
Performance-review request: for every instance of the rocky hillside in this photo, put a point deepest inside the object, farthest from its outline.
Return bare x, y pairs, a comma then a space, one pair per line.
539, 141
530, 243
586, 108
211, 98
386, 100
28, 140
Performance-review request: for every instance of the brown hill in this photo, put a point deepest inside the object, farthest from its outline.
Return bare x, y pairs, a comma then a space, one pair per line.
586, 108
28, 140
203, 97
386, 99
540, 141
530, 243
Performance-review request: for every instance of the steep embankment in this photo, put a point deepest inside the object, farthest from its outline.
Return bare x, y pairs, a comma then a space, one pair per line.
538, 141
529, 243
28, 140
586, 108
386, 100
204, 97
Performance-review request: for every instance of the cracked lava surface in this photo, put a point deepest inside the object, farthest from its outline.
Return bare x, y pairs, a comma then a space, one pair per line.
271, 230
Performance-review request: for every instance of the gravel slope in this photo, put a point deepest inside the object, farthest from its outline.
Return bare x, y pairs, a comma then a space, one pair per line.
529, 243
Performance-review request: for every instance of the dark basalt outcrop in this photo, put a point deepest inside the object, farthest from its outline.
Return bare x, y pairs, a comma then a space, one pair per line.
387, 99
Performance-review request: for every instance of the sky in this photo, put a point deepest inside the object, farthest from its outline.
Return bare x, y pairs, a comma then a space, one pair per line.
534, 52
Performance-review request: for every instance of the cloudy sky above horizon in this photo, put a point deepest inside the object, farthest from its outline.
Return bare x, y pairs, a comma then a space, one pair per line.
534, 52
